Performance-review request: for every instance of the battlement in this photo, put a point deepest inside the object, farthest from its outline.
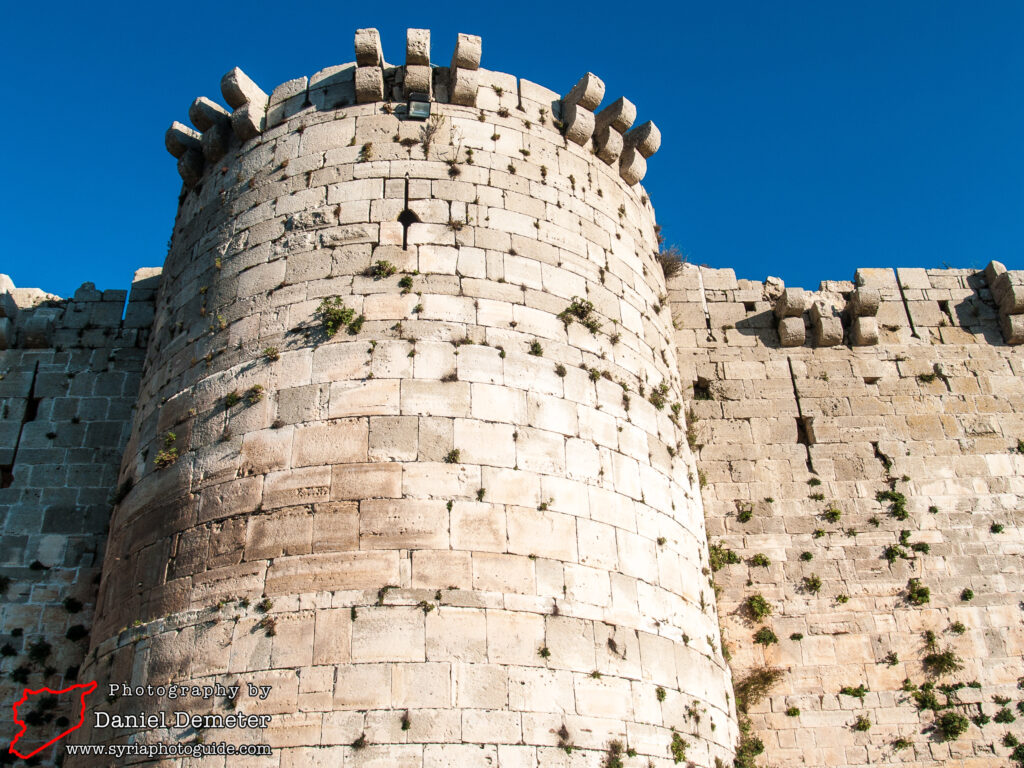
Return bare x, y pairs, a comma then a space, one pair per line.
878, 307
370, 79
31, 318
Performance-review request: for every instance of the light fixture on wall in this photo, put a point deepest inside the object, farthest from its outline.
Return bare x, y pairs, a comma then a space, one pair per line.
419, 106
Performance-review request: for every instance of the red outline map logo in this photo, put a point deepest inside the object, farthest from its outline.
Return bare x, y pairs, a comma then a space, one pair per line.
87, 688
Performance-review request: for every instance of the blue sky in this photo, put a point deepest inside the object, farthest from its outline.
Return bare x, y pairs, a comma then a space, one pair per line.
801, 139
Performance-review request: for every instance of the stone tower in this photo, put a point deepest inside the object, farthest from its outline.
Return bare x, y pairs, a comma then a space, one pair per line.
409, 449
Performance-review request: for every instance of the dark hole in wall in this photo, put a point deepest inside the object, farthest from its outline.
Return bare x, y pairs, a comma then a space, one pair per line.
803, 431
702, 390
6, 476
749, 306
32, 409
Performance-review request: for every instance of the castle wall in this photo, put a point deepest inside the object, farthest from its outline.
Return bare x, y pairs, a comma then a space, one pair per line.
460, 532
69, 376
933, 412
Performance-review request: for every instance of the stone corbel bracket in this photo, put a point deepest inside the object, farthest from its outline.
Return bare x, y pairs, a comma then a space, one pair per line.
609, 126
789, 311
609, 129
828, 329
463, 74
862, 308
369, 67
194, 148
1008, 292
417, 63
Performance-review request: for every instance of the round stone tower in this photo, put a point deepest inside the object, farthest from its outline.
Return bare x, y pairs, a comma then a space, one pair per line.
409, 467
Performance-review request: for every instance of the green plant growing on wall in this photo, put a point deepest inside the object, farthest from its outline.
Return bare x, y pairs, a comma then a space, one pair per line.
678, 748
536, 349
167, 455
861, 724
453, 456
757, 607
764, 636
760, 561
917, 593
858, 692
950, 725
271, 354
812, 584
967, 595
721, 556
580, 310
897, 503
334, 315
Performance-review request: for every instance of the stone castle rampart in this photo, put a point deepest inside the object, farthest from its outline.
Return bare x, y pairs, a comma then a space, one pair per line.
408, 446
412, 430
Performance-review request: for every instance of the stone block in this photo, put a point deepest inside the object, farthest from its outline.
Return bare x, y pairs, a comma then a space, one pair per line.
369, 85
403, 524
864, 302
238, 90
864, 331
608, 143
828, 330
417, 47
368, 50
463, 86
468, 52
1008, 291
392, 633
619, 115
587, 93
249, 120
1013, 328
791, 303
205, 113
632, 165
578, 122
417, 80
179, 139
645, 137
791, 331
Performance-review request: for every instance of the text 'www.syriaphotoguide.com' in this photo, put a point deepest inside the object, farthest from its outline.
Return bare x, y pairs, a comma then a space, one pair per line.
168, 750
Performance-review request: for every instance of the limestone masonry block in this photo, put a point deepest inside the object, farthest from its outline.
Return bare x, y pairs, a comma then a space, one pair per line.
417, 47
1008, 291
608, 143
864, 331
620, 115
418, 79
249, 120
190, 167
864, 302
369, 84
646, 138
205, 113
468, 52
828, 329
632, 165
791, 303
587, 93
579, 123
791, 331
1013, 328
463, 86
180, 138
368, 50
238, 90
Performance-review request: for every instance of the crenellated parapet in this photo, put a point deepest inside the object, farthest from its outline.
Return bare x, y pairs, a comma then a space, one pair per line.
371, 79
878, 307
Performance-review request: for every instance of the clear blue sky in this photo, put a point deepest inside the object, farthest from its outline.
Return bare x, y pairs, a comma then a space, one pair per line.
801, 139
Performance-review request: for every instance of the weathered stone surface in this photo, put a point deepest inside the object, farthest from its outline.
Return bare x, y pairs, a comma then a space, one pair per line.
468, 52
369, 84
205, 113
791, 303
1013, 328
579, 123
864, 331
632, 165
864, 302
646, 138
463, 87
828, 329
417, 47
418, 79
586, 94
619, 115
238, 90
791, 331
368, 50
180, 138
